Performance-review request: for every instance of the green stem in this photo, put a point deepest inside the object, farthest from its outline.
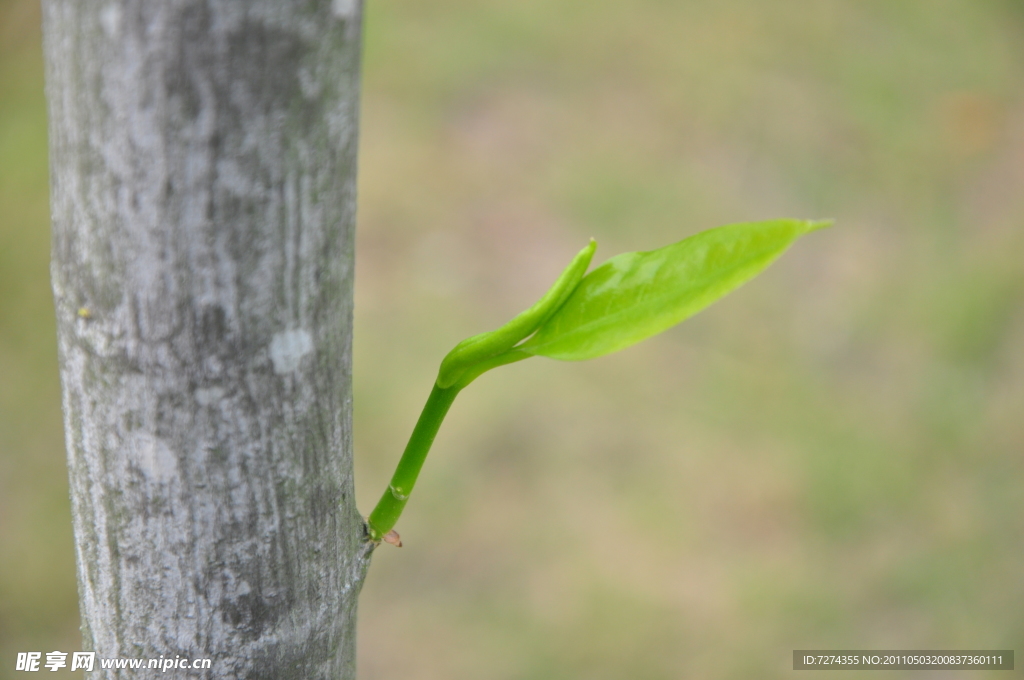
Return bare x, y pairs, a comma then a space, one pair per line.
474, 372
389, 507
391, 504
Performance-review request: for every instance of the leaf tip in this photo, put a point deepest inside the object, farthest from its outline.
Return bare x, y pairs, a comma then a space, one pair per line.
815, 225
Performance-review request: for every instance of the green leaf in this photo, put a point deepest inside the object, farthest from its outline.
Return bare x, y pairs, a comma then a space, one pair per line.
636, 295
455, 367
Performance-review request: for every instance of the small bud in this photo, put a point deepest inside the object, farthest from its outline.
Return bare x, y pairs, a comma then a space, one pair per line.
393, 538
84, 313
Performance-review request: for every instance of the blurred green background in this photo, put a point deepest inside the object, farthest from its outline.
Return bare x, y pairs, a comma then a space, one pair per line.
832, 457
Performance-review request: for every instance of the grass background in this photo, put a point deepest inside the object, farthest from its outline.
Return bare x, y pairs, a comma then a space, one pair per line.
833, 457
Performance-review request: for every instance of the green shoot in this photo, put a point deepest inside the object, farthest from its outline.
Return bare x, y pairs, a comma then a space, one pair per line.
627, 299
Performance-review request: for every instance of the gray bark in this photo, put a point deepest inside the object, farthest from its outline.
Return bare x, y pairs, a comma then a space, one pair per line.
203, 159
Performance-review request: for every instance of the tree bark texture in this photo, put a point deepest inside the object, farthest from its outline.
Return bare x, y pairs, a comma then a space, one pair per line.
203, 160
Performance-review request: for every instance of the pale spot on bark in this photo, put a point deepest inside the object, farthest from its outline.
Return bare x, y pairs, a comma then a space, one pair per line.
287, 349
209, 395
110, 19
154, 458
343, 9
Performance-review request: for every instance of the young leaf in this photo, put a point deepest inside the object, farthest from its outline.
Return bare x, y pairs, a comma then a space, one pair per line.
636, 295
478, 348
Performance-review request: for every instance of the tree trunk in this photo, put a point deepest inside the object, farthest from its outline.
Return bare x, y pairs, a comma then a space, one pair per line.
203, 160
